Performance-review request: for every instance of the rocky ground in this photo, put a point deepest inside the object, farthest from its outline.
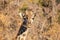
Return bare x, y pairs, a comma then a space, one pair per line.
29, 19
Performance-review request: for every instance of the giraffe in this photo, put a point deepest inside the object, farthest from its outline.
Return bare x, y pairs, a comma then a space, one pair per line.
23, 36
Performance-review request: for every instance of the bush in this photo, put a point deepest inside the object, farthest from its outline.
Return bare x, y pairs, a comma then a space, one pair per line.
59, 19
24, 7
57, 1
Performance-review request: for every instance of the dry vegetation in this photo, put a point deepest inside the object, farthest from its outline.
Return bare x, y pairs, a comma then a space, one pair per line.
29, 19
